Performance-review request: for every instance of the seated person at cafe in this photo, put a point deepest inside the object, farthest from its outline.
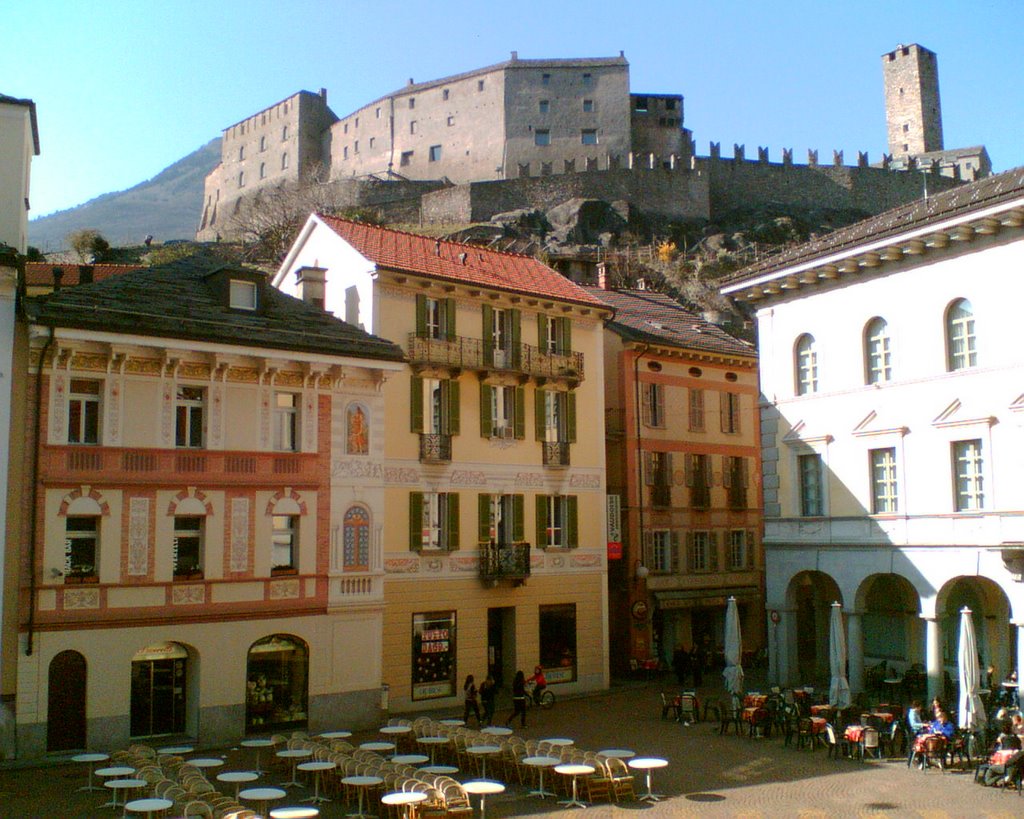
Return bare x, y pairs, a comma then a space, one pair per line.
1002, 771
1017, 725
942, 726
937, 706
915, 718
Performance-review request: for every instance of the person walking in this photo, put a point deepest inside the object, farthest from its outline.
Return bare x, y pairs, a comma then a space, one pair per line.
488, 694
518, 700
469, 689
681, 664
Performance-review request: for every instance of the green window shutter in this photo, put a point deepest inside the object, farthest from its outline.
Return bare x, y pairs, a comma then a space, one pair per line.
688, 469
648, 468
723, 410
541, 507
566, 336
668, 468
674, 557
453, 407
485, 411
690, 565
488, 335
515, 336
726, 471
453, 521
449, 319
648, 555
483, 513
542, 332
519, 421
712, 551
572, 539
518, 518
415, 521
744, 474
751, 540
645, 404
416, 404
421, 316
570, 417
538, 414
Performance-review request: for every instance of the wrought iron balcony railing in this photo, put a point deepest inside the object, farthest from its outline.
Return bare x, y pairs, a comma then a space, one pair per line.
475, 354
435, 447
556, 453
504, 561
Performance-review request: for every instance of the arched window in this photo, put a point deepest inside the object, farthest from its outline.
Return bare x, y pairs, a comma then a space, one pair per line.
284, 161
356, 540
277, 684
806, 365
263, 170
357, 431
877, 352
241, 179
961, 347
263, 143
241, 153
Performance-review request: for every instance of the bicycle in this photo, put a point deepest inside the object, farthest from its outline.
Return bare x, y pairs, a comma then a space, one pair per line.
547, 698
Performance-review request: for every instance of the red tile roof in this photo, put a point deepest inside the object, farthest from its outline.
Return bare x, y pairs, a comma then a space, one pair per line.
40, 274
457, 262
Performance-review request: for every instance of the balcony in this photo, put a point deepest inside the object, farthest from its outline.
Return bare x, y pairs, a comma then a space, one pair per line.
556, 453
504, 561
459, 352
435, 447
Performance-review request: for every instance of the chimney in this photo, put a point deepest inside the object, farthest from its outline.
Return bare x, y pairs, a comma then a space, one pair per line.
602, 276
58, 275
411, 82
312, 283
323, 94
85, 274
515, 56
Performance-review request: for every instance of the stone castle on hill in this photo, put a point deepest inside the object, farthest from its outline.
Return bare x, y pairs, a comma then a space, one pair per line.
535, 133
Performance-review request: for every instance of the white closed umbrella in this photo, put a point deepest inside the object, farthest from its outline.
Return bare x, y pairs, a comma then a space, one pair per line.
839, 689
972, 710
733, 650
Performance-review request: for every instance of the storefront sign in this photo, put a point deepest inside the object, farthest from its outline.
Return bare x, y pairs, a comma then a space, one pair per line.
614, 511
433, 655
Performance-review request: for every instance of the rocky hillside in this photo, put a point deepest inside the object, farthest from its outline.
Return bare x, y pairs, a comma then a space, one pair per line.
165, 207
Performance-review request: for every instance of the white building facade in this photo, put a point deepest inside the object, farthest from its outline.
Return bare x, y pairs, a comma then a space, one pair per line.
892, 430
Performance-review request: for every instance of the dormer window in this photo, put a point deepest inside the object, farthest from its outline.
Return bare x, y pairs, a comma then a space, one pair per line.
242, 295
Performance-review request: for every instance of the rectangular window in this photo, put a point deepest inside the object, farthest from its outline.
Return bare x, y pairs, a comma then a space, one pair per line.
286, 422
967, 467
406, 158
84, 411
587, 79
438, 519
588, 106
501, 519
344, 152
558, 642
372, 141
557, 521
698, 478
670, 105
81, 542
542, 136
445, 94
377, 113
702, 556
243, 295
739, 550
556, 337
412, 102
696, 409
451, 121
436, 314
189, 410
884, 496
545, 79
188, 547
588, 136
435, 153
434, 672
653, 397
729, 407
412, 127
355, 148
286, 539
734, 476
661, 558
640, 105
503, 412
811, 502
659, 477
479, 85
544, 106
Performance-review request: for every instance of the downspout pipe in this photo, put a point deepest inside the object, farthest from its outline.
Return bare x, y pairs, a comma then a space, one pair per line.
639, 451
33, 518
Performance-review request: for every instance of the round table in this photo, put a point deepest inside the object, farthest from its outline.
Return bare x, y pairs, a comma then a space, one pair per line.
91, 759
176, 750
433, 742
457, 723
294, 754
648, 764
335, 735
483, 751
361, 783
317, 767
262, 796
440, 770
540, 763
148, 806
205, 762
294, 813
238, 777
379, 747
496, 730
575, 770
114, 772
121, 785
257, 744
558, 742
405, 799
392, 730
483, 788
410, 759
617, 753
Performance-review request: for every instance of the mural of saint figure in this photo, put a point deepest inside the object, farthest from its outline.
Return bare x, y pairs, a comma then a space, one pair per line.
358, 435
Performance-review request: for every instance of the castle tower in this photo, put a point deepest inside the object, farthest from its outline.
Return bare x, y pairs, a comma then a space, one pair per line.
912, 109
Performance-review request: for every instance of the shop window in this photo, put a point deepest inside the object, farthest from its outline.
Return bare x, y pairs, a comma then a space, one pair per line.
84, 411
277, 684
558, 642
159, 690
433, 655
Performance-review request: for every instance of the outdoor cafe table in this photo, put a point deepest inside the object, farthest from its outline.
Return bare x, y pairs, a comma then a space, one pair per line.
335, 735
113, 773
410, 759
540, 763
433, 742
125, 785
648, 764
575, 770
262, 796
205, 762
91, 760
558, 742
294, 813
617, 753
754, 700
440, 770
455, 723
482, 788
294, 755
258, 744
176, 750
496, 730
483, 751
377, 747
405, 799
316, 767
238, 777
148, 806
361, 784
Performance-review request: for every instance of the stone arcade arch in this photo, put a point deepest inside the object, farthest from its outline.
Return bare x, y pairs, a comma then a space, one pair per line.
809, 597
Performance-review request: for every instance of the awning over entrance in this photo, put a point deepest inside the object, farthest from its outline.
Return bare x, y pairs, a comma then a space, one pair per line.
703, 598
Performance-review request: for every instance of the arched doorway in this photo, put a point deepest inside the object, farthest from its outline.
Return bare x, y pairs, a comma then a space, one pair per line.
891, 622
811, 595
65, 703
990, 611
277, 684
159, 690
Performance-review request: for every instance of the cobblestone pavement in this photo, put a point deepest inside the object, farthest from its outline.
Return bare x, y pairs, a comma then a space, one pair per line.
708, 775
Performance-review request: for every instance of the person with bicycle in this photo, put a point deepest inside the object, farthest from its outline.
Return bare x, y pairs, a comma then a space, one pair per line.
540, 684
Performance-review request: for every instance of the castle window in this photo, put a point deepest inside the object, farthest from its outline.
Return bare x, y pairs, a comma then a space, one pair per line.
406, 158
545, 79
284, 161
241, 179
544, 106
587, 79
241, 153
640, 105
906, 147
263, 170
451, 121
479, 85
357, 122
344, 152
344, 128
263, 143
378, 113
412, 127
412, 102
906, 128
588, 106
588, 136
670, 105
372, 140
355, 147
542, 137
435, 153
284, 133
445, 94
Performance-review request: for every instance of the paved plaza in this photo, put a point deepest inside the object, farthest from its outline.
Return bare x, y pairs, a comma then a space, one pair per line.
708, 775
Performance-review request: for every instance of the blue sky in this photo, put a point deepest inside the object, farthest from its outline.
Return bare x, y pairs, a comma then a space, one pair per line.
126, 87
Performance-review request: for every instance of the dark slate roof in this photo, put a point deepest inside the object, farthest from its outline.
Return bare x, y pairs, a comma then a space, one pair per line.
956, 202
180, 300
5, 99
656, 318
40, 274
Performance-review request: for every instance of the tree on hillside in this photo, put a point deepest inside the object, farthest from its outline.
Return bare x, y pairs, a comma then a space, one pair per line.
89, 244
